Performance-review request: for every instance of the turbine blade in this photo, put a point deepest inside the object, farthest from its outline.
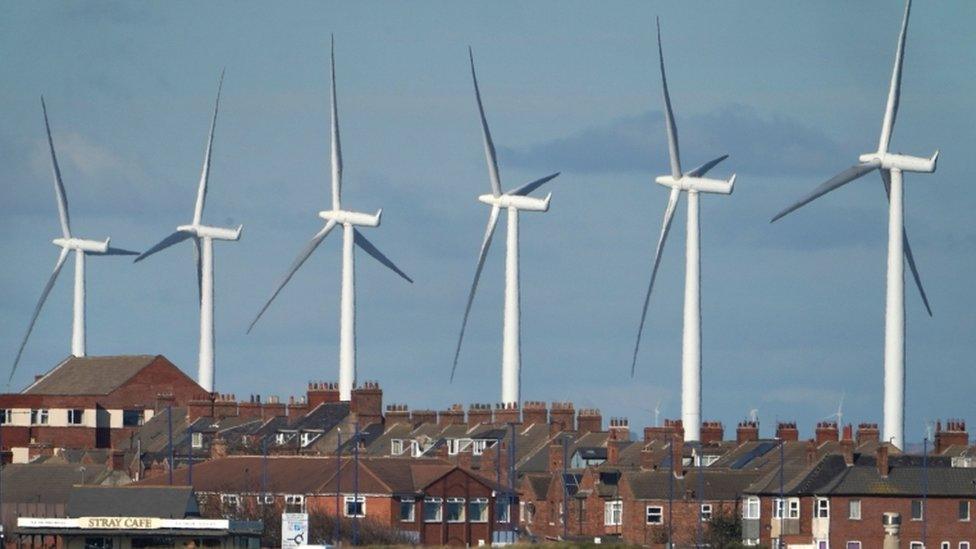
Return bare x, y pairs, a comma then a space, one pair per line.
844, 177
894, 91
486, 242
700, 171
119, 251
886, 179
372, 250
198, 260
205, 173
174, 238
37, 309
496, 185
302, 256
58, 184
669, 114
529, 187
665, 227
336, 145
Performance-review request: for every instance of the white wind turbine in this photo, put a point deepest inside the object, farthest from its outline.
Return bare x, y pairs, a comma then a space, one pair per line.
203, 237
693, 183
349, 221
838, 416
513, 201
68, 243
891, 166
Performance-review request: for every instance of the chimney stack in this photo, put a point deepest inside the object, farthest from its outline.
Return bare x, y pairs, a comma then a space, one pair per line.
671, 427
452, 416
954, 434
787, 431
868, 432
420, 417
535, 412
712, 432
619, 428
508, 413
367, 403
677, 455
397, 413
747, 431
847, 445
826, 432
811, 452
479, 414
562, 417
321, 392
589, 420
556, 457
883, 467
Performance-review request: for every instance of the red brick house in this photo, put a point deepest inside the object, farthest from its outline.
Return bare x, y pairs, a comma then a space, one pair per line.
91, 402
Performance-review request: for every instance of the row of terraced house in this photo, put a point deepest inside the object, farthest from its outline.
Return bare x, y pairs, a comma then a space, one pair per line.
476, 474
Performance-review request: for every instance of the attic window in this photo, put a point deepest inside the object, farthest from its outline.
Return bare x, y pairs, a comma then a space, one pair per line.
396, 446
478, 446
307, 439
279, 438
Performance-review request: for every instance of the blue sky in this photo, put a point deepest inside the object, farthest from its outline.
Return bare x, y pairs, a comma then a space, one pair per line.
793, 312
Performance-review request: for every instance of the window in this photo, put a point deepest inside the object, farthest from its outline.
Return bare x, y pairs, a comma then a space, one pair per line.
294, 503
705, 461
132, 418
407, 506
751, 508
265, 499
455, 509
655, 515
307, 439
613, 512
39, 417
433, 509
706, 512
355, 506
917, 510
75, 417
478, 446
6, 416
786, 508
279, 438
917, 545
452, 446
854, 508
98, 543
963, 545
853, 545
823, 508
396, 446
478, 510
963, 510
501, 509
945, 545
196, 440
229, 503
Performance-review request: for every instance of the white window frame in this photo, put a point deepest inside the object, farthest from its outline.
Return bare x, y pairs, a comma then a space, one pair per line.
484, 515
196, 439
706, 512
39, 416
429, 501
853, 544
280, 438
854, 509
945, 545
921, 507
503, 509
963, 545
821, 508
230, 503
969, 512
360, 500
452, 446
396, 446
264, 499
455, 501
752, 503
478, 446
413, 509
76, 419
613, 513
6, 416
659, 513
787, 508
916, 545
306, 439
295, 499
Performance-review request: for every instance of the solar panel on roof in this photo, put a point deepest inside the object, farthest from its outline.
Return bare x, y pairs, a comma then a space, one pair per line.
758, 451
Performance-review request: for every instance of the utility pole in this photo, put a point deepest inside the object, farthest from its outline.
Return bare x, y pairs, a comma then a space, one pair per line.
169, 426
925, 488
671, 494
701, 491
565, 489
355, 481
338, 531
189, 454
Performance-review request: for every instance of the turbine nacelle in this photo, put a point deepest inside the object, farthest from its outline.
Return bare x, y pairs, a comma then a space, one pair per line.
213, 233
345, 217
518, 202
697, 184
903, 162
88, 246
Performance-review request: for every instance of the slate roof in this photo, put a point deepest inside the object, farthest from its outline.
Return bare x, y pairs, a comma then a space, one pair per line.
90, 375
906, 477
722, 484
48, 483
134, 501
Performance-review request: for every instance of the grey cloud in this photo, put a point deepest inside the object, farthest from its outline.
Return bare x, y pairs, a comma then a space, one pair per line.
759, 144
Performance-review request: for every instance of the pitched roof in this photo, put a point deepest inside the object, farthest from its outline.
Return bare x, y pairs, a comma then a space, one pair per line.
90, 375
45, 482
132, 501
907, 477
718, 485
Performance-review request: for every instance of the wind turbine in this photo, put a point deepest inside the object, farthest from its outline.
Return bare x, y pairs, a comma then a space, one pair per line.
891, 166
839, 414
692, 183
203, 237
513, 201
351, 235
68, 243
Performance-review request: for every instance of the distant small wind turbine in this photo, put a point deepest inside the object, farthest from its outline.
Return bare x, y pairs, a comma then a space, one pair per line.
513, 201
68, 243
754, 415
657, 414
349, 220
838, 416
203, 237
692, 183
891, 166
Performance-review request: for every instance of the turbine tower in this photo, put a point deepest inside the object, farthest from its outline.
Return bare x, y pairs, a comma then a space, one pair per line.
693, 183
513, 201
351, 235
203, 237
68, 243
891, 165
